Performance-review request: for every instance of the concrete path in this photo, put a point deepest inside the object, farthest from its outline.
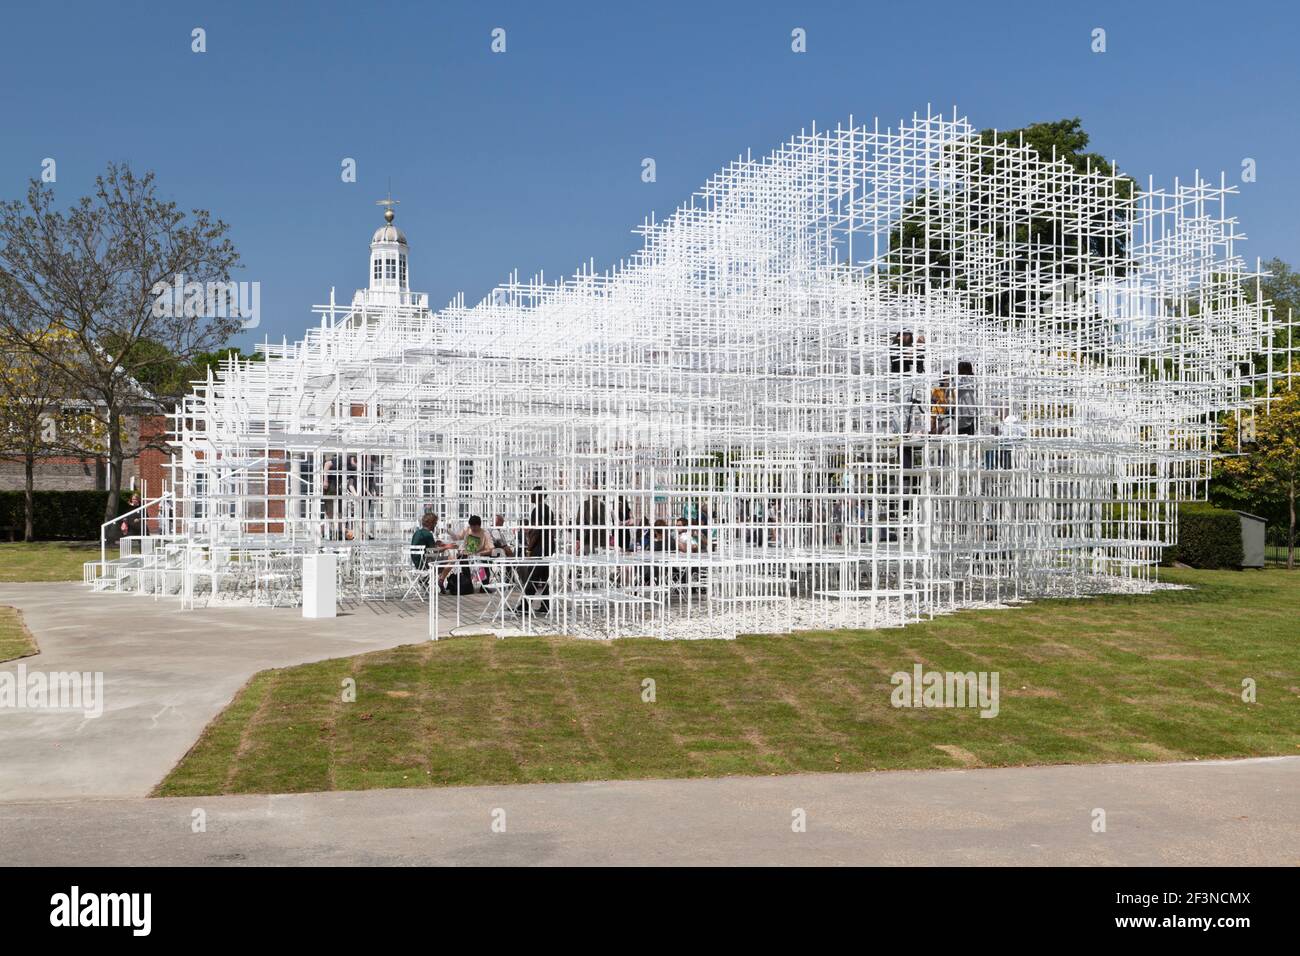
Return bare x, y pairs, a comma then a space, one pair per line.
167, 673
1230, 813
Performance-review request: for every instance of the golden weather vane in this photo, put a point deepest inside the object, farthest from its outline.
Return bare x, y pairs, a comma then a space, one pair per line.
389, 203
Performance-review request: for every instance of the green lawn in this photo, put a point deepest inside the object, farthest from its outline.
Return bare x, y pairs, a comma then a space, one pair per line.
1123, 678
44, 560
15, 639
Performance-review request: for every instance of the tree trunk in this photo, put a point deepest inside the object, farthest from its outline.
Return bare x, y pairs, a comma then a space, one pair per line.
29, 499
113, 507
1290, 538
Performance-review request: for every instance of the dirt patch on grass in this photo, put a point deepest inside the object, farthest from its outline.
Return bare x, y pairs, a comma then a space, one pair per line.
967, 758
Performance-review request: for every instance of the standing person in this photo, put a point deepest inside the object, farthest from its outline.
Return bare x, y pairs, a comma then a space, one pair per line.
625, 537
351, 505
131, 525
1011, 428
368, 488
967, 408
940, 407
539, 544
329, 489
907, 355
907, 352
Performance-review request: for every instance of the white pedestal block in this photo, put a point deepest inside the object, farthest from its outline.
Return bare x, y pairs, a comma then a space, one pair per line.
319, 598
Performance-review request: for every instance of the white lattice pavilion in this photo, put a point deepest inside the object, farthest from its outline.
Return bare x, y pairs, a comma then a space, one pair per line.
882, 374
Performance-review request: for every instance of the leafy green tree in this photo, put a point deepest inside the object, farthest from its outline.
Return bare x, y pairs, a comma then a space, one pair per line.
1262, 472
168, 376
1281, 287
922, 255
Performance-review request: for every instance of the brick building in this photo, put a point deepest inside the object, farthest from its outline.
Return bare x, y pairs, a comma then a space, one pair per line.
146, 434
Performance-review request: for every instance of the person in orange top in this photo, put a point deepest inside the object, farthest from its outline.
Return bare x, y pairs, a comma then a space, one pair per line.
940, 399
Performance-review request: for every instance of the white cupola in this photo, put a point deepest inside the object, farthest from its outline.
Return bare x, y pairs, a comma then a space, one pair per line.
388, 252
390, 284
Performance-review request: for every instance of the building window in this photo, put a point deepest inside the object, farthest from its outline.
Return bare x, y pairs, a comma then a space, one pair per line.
379, 267
465, 485
390, 268
255, 500
306, 486
200, 502
431, 484
402, 267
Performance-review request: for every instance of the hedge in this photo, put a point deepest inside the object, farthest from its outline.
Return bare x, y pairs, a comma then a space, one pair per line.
75, 515
1208, 537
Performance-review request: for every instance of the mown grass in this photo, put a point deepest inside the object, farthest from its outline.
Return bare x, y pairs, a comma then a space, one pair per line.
44, 560
15, 640
1118, 678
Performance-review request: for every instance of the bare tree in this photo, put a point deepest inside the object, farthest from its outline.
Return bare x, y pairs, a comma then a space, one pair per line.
94, 271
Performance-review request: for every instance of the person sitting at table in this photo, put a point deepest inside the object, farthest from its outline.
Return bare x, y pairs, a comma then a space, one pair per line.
626, 535
475, 542
501, 546
426, 538
592, 536
659, 540
473, 539
687, 542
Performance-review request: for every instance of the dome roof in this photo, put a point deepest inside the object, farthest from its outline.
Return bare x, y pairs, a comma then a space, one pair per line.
388, 233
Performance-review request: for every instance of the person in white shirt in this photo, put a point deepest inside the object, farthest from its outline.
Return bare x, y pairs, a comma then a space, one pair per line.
502, 546
687, 542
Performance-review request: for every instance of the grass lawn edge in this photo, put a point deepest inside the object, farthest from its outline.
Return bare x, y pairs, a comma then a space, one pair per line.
507, 686
24, 641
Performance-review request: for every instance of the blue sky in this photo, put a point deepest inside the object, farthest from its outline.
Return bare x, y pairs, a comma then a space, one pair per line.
531, 159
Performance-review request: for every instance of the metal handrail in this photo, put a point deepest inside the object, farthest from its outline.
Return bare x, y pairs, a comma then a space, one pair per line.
144, 525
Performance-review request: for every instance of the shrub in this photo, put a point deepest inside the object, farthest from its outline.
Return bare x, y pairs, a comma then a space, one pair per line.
73, 515
1208, 537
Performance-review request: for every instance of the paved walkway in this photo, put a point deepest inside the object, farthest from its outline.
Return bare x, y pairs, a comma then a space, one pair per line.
1212, 813
167, 673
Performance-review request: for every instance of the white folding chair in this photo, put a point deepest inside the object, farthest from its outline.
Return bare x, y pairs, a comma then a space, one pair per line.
372, 573
416, 572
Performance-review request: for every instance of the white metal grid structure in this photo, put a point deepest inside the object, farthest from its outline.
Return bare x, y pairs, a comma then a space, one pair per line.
873, 376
